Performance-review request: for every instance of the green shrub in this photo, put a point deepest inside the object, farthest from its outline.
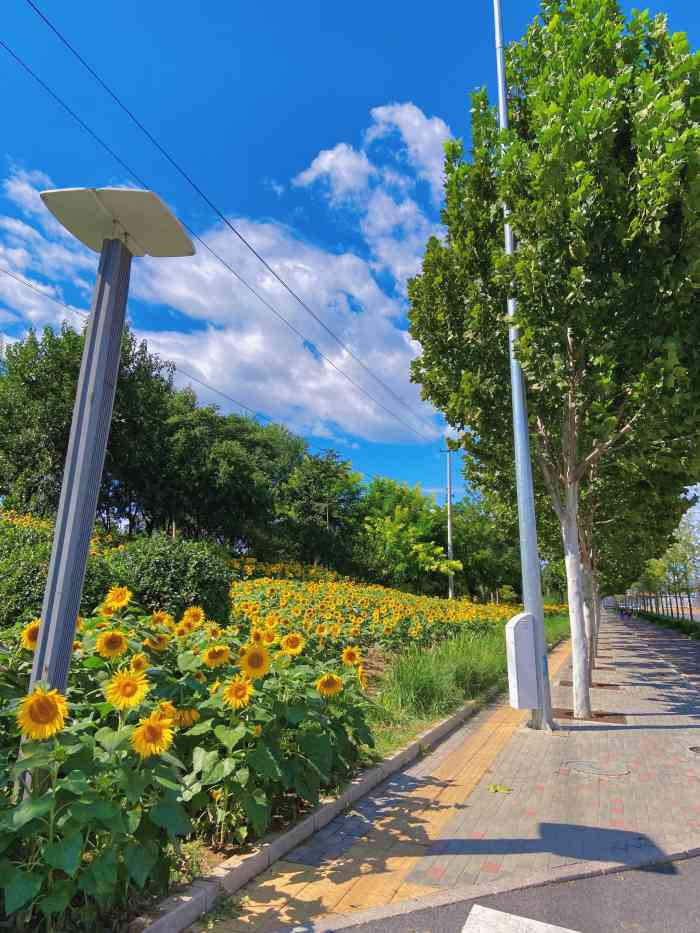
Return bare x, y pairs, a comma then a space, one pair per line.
173, 574
25, 550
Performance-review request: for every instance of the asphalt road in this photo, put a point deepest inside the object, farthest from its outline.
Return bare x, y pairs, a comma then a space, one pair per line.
660, 899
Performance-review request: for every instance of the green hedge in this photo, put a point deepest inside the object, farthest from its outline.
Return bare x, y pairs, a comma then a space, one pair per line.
692, 629
174, 574
162, 573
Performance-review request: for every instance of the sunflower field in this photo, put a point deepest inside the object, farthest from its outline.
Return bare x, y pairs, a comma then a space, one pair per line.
188, 727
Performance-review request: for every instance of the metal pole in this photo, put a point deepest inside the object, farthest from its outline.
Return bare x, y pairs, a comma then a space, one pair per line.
529, 557
82, 476
451, 578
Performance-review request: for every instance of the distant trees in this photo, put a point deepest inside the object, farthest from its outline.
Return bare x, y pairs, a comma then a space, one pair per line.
184, 469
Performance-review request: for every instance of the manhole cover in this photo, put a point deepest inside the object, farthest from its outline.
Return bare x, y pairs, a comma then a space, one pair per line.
590, 767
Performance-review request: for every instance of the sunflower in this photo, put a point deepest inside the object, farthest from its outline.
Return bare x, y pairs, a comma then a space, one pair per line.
321, 630
182, 631
79, 624
328, 685
111, 644
187, 717
152, 736
42, 713
158, 643
30, 634
166, 710
127, 688
256, 636
237, 692
214, 688
193, 616
257, 730
217, 655
77, 645
118, 597
105, 610
255, 662
352, 656
270, 637
200, 677
139, 663
293, 643
162, 618
214, 630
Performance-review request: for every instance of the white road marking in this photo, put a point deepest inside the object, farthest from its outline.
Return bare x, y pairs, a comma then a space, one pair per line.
485, 920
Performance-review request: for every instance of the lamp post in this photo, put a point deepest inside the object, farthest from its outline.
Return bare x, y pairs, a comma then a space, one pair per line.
118, 223
529, 557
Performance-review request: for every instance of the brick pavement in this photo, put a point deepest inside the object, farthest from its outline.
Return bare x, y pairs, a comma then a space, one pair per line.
590, 795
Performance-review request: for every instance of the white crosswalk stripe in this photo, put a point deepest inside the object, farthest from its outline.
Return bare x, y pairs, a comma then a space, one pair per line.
485, 920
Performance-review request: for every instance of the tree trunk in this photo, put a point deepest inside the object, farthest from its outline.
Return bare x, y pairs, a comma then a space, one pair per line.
579, 645
588, 616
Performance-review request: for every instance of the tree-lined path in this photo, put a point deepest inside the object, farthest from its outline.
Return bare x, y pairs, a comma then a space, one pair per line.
499, 806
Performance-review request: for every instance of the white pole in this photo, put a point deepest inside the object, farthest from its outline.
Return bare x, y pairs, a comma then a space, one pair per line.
532, 584
451, 578
82, 476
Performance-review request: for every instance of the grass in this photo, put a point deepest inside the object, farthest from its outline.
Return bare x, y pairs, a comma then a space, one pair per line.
421, 686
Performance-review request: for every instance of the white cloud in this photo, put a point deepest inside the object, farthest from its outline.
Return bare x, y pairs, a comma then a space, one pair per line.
238, 345
346, 171
424, 138
384, 193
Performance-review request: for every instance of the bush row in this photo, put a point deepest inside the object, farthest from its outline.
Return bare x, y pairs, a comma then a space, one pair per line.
688, 627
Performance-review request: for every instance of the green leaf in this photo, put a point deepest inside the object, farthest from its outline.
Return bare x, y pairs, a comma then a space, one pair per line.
74, 782
113, 739
102, 811
38, 759
94, 663
31, 809
203, 760
171, 816
133, 783
59, 898
229, 738
257, 810
188, 661
242, 776
139, 860
20, 887
318, 749
263, 762
100, 877
199, 728
295, 714
65, 854
133, 819
221, 770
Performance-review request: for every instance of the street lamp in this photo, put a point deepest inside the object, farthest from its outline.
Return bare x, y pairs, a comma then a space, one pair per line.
529, 558
118, 223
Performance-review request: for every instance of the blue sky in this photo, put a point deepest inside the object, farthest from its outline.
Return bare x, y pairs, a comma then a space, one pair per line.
317, 129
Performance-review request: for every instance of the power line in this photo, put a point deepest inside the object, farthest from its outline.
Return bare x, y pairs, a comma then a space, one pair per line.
127, 168
183, 372
219, 213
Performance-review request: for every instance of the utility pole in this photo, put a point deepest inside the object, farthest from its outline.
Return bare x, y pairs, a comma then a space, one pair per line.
451, 578
529, 557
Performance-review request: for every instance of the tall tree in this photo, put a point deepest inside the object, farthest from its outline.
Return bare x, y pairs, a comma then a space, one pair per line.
600, 173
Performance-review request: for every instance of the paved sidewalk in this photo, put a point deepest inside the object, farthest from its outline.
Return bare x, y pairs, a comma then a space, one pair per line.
592, 795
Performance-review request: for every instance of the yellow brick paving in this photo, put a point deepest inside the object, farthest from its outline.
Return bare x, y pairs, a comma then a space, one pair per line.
374, 871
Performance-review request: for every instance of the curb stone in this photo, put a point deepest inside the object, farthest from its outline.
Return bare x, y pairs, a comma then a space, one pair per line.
179, 910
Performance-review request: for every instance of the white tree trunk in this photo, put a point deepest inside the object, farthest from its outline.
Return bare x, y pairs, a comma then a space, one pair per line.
597, 607
588, 615
579, 642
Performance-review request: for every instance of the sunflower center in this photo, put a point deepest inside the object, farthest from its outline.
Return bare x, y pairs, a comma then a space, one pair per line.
255, 660
33, 634
152, 733
129, 688
114, 641
43, 710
